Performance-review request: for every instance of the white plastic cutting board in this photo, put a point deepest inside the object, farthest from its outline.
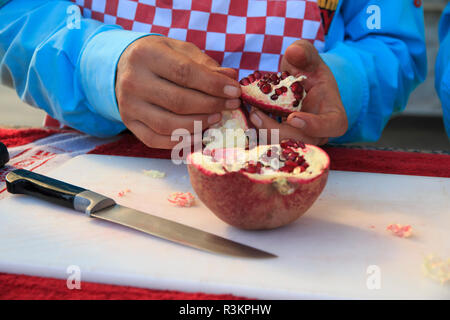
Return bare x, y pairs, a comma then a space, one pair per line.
325, 254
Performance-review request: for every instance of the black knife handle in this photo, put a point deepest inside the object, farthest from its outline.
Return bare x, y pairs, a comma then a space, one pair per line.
22, 181
4, 155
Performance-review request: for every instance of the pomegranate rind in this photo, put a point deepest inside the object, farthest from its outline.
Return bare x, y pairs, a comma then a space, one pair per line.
247, 201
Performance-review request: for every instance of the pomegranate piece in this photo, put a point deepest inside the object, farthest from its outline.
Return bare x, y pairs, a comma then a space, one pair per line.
181, 199
234, 120
274, 96
288, 88
399, 230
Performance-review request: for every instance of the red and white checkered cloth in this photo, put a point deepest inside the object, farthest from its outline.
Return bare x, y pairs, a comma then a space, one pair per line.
246, 35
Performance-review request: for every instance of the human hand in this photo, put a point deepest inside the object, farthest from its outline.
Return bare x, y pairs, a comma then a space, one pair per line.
323, 114
164, 84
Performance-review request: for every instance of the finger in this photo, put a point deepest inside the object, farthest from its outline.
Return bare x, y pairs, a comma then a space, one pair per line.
183, 71
228, 72
151, 138
164, 122
183, 100
263, 121
324, 125
299, 57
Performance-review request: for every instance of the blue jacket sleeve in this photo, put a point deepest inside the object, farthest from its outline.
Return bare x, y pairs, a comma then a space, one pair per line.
443, 67
376, 68
65, 64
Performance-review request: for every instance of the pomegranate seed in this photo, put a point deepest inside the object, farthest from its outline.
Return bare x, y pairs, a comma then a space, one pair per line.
292, 157
266, 76
266, 88
261, 82
297, 87
296, 103
244, 82
252, 168
290, 163
300, 161
286, 152
274, 77
287, 169
269, 153
301, 144
283, 89
251, 78
284, 75
275, 82
288, 143
274, 96
278, 91
257, 75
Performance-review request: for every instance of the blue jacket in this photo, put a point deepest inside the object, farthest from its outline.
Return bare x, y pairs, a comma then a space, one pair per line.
443, 67
70, 73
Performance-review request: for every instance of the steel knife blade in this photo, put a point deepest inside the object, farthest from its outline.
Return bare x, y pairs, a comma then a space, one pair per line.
95, 205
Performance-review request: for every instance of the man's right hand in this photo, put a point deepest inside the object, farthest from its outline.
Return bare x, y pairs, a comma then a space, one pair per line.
164, 84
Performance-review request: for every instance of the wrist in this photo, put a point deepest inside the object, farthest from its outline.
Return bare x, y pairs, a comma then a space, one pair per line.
98, 65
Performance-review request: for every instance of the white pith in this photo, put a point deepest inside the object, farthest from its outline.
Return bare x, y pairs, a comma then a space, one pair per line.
284, 100
236, 159
228, 133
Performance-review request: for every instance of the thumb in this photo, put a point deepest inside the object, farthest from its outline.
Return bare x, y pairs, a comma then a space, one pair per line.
301, 56
325, 125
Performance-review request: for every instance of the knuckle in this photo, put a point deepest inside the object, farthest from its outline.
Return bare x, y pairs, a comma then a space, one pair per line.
176, 104
161, 126
126, 82
182, 73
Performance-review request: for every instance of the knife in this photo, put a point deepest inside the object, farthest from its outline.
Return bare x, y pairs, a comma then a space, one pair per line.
95, 205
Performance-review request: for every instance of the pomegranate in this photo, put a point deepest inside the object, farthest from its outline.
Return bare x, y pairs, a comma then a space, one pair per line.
263, 188
279, 94
228, 133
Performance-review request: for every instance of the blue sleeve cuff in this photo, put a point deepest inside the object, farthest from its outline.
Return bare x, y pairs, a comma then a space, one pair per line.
353, 88
98, 65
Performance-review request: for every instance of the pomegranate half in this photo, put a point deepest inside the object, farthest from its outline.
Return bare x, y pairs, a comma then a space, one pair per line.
266, 187
279, 94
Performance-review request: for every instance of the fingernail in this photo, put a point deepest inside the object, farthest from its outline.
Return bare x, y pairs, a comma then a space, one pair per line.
256, 120
214, 118
298, 123
232, 91
232, 103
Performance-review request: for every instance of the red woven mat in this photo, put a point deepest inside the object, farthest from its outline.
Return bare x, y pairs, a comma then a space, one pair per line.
14, 286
